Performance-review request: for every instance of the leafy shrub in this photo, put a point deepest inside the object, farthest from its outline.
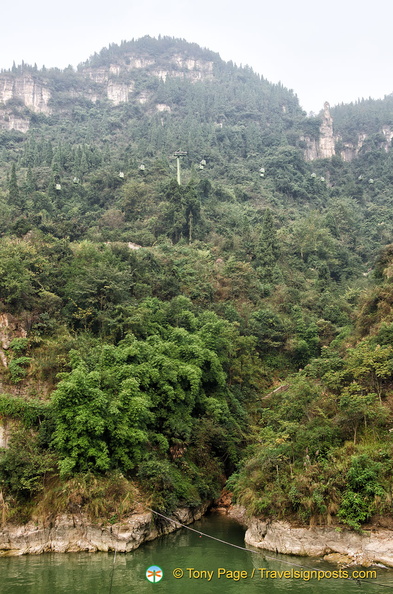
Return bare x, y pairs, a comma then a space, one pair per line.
25, 465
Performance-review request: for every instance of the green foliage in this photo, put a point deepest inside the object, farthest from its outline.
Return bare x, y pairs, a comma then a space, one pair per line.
357, 504
32, 413
24, 465
19, 345
118, 401
167, 484
302, 438
17, 368
268, 328
249, 271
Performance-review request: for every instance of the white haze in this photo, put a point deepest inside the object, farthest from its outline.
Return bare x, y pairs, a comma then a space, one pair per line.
338, 51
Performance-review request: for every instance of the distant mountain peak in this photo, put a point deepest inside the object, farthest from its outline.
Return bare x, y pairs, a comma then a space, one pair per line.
154, 50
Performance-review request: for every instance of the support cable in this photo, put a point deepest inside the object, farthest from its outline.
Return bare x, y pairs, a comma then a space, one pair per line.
357, 580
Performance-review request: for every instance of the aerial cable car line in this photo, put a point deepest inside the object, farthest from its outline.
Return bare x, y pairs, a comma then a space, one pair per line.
357, 580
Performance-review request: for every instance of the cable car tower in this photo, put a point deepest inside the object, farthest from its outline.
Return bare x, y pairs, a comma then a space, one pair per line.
179, 154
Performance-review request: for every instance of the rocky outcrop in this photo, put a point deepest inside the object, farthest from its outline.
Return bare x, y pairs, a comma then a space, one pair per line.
10, 328
114, 82
118, 92
10, 121
24, 91
330, 143
326, 140
188, 68
72, 533
7, 427
33, 93
388, 134
163, 107
349, 150
366, 548
97, 75
324, 146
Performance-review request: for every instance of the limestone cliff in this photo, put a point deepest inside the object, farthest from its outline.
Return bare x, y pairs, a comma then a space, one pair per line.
10, 328
369, 547
326, 140
115, 82
71, 533
324, 146
33, 93
176, 66
350, 150
10, 121
26, 91
374, 545
330, 142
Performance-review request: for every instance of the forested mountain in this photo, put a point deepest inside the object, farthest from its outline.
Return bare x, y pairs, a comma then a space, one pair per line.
145, 325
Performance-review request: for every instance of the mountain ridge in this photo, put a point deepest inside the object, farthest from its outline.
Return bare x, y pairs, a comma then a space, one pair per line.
138, 72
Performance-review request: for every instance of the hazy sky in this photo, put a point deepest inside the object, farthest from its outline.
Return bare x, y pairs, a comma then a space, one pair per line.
335, 51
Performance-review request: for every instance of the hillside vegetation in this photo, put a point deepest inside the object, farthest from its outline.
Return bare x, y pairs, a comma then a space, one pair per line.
145, 325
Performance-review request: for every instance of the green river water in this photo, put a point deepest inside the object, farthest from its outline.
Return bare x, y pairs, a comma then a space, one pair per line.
208, 567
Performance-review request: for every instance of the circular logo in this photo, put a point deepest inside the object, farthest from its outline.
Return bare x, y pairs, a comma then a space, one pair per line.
154, 574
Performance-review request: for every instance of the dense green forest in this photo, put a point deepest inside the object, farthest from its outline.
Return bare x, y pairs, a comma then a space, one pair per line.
159, 340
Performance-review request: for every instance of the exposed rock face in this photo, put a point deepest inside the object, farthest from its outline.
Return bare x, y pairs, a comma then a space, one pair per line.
144, 97
196, 65
349, 150
191, 69
184, 67
115, 82
71, 533
98, 75
7, 426
9, 121
388, 134
33, 93
118, 92
10, 328
324, 147
362, 549
311, 150
163, 107
326, 141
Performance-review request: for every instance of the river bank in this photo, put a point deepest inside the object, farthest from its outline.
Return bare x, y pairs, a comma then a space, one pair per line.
336, 544
76, 533
73, 533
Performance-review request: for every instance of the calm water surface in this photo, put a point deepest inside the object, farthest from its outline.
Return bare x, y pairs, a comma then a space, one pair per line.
97, 573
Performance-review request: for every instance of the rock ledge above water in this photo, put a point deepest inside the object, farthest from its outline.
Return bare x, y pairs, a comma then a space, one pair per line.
372, 546
72, 533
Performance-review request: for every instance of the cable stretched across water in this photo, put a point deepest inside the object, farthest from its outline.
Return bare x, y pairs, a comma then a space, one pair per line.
358, 580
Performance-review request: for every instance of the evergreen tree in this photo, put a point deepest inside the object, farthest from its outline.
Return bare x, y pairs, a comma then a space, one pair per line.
269, 250
14, 193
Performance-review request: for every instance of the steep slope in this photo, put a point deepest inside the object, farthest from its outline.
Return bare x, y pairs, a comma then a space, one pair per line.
169, 309
323, 444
